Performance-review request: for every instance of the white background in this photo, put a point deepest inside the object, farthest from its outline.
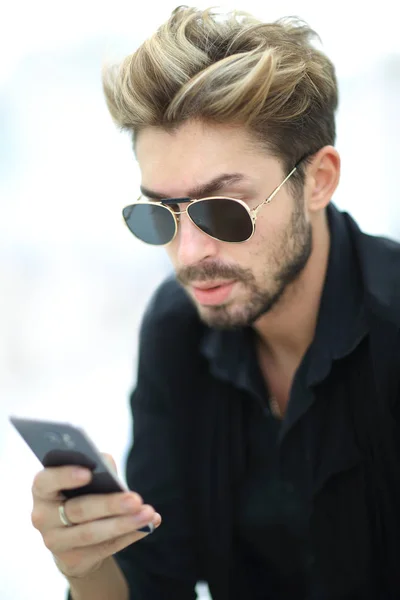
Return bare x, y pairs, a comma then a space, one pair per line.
74, 282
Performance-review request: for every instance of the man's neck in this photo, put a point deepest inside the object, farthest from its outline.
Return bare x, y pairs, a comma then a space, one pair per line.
288, 329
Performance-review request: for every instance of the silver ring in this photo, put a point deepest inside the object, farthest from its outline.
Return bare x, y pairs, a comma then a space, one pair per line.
63, 517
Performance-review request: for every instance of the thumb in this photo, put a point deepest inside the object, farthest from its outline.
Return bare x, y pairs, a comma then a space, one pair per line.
110, 462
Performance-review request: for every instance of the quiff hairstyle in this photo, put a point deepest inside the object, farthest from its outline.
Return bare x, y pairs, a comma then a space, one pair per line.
233, 69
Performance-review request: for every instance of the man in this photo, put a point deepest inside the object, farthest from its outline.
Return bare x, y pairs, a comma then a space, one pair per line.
266, 410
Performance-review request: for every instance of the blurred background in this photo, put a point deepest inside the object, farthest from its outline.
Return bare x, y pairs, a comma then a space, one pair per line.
74, 281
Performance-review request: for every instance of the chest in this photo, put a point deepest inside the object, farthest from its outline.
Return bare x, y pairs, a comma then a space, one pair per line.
341, 449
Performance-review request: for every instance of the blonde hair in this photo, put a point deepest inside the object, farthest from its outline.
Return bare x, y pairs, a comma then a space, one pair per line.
235, 69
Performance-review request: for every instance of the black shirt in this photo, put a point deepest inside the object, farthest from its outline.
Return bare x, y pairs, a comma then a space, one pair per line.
307, 508
271, 512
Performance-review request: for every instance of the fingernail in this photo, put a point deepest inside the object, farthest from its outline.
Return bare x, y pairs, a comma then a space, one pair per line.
81, 474
128, 504
131, 502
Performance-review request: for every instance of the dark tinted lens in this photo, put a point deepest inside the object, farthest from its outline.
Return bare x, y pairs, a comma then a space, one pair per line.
222, 218
151, 223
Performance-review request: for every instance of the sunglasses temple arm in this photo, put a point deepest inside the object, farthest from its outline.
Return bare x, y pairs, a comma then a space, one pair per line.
272, 196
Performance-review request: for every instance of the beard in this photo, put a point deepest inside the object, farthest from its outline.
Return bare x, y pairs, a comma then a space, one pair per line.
286, 264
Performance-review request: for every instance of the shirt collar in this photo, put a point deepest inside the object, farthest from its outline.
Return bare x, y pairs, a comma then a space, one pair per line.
341, 322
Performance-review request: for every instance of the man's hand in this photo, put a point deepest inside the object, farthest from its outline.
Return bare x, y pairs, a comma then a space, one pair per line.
103, 523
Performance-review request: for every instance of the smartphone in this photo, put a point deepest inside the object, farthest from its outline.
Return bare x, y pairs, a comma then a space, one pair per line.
57, 444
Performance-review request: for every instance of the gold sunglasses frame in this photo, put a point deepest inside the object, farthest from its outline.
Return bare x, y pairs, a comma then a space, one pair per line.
253, 213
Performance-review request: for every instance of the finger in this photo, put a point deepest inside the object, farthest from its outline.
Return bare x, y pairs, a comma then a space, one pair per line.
96, 532
92, 507
76, 557
48, 483
117, 544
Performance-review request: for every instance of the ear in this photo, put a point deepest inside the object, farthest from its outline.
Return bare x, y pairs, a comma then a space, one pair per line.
322, 178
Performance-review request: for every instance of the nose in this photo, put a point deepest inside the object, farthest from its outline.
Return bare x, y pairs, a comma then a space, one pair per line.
193, 245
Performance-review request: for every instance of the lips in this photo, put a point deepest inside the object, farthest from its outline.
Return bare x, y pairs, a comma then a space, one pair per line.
212, 293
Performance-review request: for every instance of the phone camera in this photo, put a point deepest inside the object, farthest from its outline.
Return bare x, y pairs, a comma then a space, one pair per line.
68, 441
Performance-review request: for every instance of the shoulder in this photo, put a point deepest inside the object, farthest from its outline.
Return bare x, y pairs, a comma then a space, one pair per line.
379, 262
171, 321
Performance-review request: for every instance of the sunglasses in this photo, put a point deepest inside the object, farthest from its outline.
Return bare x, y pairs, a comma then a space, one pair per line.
224, 219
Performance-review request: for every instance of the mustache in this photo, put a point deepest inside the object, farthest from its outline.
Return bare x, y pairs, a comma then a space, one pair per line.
210, 271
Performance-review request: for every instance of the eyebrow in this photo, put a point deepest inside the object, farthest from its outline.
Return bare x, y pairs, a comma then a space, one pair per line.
201, 191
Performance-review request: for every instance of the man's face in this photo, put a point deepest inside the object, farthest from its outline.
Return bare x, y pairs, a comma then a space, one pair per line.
232, 285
